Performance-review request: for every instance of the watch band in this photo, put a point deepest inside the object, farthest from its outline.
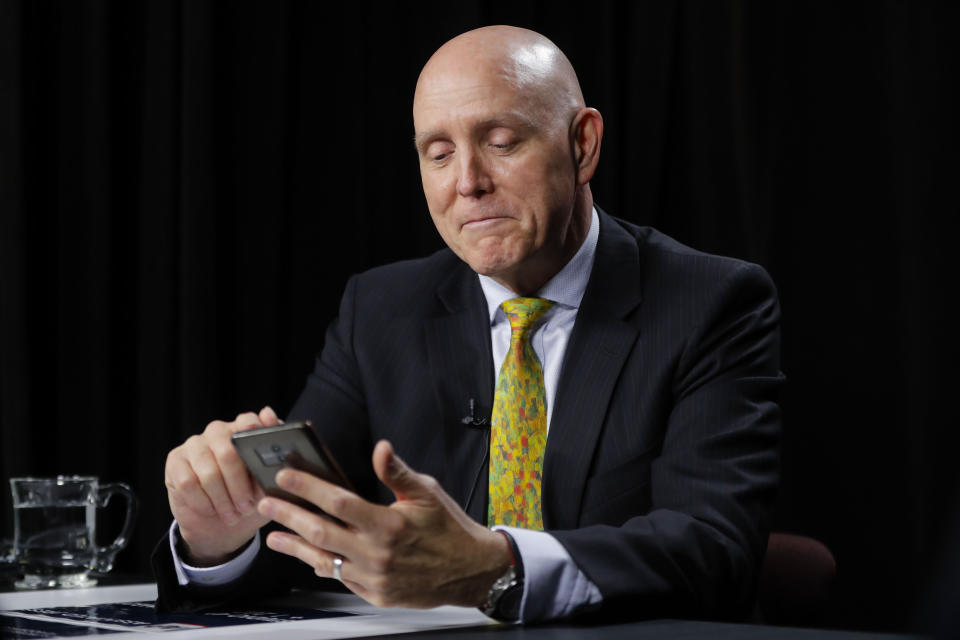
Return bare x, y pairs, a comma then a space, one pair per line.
506, 594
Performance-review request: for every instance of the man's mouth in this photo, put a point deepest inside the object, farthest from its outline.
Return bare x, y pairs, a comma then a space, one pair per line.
482, 222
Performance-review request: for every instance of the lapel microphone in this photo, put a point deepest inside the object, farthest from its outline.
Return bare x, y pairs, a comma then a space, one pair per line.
473, 420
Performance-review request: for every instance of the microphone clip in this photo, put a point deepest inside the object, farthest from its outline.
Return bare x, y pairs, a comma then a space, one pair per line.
473, 420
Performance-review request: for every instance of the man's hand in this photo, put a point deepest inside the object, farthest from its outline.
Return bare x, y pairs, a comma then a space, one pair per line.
421, 551
211, 494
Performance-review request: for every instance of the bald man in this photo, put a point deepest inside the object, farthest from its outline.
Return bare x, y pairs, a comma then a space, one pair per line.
659, 368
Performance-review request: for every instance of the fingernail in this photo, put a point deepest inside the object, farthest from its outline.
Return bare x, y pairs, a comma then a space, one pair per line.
284, 478
266, 508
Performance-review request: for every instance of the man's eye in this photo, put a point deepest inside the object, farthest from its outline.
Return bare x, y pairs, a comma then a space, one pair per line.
502, 146
439, 152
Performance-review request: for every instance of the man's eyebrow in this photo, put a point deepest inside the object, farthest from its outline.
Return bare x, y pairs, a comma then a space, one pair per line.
513, 120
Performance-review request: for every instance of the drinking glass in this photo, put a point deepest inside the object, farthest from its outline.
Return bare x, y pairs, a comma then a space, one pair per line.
55, 526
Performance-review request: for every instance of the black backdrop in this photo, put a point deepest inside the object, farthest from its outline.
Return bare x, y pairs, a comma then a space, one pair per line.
185, 186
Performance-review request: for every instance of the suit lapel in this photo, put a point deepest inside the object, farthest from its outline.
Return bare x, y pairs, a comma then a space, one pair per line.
602, 338
458, 348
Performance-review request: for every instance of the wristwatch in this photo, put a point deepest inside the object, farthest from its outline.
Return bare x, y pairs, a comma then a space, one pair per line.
506, 594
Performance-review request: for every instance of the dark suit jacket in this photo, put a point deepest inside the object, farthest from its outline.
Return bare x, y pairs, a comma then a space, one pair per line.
661, 461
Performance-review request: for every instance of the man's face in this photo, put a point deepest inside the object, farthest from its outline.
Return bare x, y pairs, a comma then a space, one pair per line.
497, 172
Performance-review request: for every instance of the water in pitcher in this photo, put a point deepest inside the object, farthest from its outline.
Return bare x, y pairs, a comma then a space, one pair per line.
55, 540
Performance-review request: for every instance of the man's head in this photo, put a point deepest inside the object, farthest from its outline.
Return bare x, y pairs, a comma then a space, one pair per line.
507, 149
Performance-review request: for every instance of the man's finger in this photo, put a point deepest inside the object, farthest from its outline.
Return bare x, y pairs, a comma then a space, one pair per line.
235, 476
316, 530
405, 483
184, 489
320, 559
233, 472
246, 421
352, 574
269, 417
208, 473
332, 499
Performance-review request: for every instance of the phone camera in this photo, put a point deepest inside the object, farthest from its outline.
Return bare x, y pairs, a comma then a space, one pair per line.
274, 455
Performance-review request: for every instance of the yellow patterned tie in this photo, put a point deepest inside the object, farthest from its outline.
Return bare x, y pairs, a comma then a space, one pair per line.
518, 433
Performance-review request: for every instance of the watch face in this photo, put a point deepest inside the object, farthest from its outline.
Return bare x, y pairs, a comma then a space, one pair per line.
499, 592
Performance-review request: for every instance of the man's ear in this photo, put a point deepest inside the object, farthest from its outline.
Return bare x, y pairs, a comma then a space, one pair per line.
586, 132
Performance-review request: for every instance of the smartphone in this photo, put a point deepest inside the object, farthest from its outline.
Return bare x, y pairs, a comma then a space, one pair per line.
266, 450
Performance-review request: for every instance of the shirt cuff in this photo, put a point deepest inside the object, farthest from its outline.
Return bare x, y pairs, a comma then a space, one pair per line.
553, 585
211, 576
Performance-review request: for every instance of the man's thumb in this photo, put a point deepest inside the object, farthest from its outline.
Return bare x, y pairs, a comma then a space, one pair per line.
405, 483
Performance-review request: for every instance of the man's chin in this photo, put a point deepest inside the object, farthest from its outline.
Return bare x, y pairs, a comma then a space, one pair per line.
490, 272
489, 263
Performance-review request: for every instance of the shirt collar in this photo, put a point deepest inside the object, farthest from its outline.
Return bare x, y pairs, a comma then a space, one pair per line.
565, 289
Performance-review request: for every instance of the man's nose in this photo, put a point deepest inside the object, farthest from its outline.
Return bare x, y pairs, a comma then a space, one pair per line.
474, 179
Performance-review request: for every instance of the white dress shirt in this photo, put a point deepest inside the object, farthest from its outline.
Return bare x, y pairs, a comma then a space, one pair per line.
554, 587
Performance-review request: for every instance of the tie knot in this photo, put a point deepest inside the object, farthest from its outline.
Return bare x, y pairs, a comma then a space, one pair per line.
524, 312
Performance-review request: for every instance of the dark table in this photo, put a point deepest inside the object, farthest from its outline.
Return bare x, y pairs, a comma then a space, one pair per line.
658, 629
652, 629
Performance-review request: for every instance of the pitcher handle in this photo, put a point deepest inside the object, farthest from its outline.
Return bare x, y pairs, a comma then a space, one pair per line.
106, 555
